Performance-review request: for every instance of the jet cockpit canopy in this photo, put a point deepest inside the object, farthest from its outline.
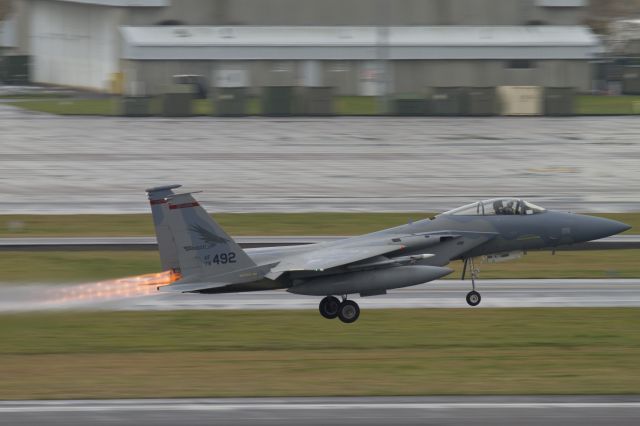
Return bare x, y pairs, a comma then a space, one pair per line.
497, 206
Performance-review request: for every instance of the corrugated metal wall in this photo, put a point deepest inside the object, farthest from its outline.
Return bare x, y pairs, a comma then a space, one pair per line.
356, 12
74, 44
390, 12
361, 78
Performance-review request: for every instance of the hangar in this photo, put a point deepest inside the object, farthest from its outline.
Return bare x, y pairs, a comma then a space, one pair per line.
352, 59
7, 36
360, 47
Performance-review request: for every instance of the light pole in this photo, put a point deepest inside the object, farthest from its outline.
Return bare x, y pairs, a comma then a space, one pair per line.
382, 55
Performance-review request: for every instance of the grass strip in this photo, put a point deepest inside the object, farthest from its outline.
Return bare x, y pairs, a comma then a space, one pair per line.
344, 105
607, 105
97, 106
79, 266
271, 353
235, 223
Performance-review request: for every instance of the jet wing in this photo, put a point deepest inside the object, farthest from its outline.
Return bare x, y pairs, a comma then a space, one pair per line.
329, 257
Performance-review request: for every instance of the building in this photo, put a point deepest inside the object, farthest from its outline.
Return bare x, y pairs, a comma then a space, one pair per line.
349, 58
361, 47
8, 40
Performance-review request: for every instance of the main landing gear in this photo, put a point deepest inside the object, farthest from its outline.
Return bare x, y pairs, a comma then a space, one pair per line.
348, 311
473, 297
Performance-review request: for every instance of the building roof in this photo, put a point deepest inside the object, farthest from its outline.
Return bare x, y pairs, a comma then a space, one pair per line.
359, 43
123, 3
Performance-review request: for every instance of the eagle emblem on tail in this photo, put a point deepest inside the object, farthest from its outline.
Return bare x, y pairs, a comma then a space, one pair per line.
207, 236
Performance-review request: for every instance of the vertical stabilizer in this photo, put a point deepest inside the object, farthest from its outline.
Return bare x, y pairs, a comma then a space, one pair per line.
203, 248
160, 211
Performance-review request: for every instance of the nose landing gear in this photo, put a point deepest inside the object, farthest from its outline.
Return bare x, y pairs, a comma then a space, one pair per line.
473, 297
348, 311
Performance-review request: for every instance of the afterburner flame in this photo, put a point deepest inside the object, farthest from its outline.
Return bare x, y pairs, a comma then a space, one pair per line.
139, 285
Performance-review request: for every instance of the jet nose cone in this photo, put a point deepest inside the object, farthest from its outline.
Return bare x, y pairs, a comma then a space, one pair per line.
601, 227
621, 227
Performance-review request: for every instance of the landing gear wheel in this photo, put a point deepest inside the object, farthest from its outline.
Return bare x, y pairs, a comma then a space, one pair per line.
349, 311
329, 307
473, 298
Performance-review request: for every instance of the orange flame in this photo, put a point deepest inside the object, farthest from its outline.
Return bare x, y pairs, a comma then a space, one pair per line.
139, 285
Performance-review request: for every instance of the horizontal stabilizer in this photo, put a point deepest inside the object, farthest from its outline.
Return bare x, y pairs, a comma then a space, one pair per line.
239, 276
162, 190
189, 287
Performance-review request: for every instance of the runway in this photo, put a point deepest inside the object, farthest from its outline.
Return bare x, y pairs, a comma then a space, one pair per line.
503, 410
552, 293
437, 294
56, 164
626, 241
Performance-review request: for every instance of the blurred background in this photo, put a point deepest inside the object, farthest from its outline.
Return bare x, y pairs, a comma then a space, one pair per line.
303, 120
277, 57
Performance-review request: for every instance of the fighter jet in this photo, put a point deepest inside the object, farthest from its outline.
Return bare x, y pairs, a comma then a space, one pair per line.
208, 260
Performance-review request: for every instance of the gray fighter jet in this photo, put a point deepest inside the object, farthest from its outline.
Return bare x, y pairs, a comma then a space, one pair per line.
208, 260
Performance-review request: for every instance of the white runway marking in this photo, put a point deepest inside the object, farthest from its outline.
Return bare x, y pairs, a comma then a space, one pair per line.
71, 406
494, 411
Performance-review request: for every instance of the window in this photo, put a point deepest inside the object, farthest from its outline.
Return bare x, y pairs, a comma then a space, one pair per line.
561, 3
520, 64
473, 209
170, 22
281, 66
497, 206
530, 208
505, 207
339, 66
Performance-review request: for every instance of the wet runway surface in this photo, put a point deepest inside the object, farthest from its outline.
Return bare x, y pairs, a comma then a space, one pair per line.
627, 241
437, 294
563, 410
103, 164
550, 293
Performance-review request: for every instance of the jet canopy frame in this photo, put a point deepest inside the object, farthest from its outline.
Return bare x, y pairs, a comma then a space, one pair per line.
497, 207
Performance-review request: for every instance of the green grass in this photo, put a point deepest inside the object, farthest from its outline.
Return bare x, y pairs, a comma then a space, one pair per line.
99, 106
357, 105
607, 105
344, 105
277, 353
85, 266
234, 223
202, 107
73, 266
37, 95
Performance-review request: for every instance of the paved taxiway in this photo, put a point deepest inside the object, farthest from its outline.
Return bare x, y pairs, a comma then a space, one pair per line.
103, 164
626, 241
498, 411
437, 294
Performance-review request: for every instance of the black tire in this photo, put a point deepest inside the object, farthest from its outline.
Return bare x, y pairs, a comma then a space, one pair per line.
329, 307
473, 298
349, 311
